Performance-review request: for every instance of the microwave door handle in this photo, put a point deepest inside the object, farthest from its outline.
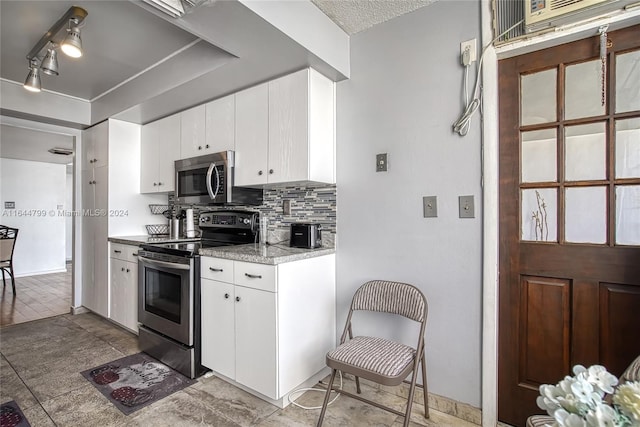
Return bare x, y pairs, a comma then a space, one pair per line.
212, 194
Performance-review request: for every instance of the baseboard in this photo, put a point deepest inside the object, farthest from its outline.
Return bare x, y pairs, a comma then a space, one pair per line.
439, 403
40, 273
79, 310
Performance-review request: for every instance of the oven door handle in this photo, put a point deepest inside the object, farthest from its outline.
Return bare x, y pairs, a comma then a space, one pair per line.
213, 194
164, 264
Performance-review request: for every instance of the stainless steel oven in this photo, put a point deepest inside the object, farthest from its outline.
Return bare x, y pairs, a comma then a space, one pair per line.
169, 308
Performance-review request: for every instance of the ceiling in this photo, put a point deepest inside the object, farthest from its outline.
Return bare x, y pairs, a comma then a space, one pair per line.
29, 144
139, 65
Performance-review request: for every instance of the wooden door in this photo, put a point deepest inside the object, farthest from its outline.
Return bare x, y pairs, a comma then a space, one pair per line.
569, 290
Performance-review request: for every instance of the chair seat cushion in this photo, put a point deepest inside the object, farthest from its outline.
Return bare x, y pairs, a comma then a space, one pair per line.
377, 356
540, 421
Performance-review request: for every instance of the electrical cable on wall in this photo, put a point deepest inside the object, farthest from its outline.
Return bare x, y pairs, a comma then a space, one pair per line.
461, 126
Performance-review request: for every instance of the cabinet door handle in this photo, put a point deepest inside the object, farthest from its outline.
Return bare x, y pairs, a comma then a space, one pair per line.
253, 276
226, 296
128, 270
237, 299
206, 146
95, 160
90, 160
199, 147
217, 270
270, 171
122, 269
259, 172
155, 184
117, 251
159, 183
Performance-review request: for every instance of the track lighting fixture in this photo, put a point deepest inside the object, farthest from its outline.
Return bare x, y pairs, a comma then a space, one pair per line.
32, 83
50, 62
71, 46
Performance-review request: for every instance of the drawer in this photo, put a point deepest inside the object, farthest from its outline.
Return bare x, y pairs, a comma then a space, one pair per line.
257, 276
124, 252
216, 269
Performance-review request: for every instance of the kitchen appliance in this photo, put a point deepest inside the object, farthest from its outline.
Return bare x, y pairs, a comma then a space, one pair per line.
209, 180
306, 235
189, 226
169, 288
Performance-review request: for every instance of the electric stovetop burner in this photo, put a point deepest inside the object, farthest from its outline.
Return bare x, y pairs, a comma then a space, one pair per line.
219, 228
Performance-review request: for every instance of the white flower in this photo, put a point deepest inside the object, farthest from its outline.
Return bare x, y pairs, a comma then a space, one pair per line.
565, 419
601, 379
584, 392
627, 397
602, 416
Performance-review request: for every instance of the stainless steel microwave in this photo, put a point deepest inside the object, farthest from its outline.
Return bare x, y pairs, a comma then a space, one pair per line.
209, 180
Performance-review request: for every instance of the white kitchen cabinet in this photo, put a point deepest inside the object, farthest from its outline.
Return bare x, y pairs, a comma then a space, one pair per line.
111, 205
124, 285
220, 117
95, 148
299, 131
160, 148
193, 132
267, 328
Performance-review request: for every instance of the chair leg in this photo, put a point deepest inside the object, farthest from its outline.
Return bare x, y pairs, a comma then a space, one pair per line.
412, 389
358, 386
425, 390
13, 280
4, 281
326, 398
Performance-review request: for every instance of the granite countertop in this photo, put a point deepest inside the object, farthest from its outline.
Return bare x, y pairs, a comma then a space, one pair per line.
265, 254
144, 239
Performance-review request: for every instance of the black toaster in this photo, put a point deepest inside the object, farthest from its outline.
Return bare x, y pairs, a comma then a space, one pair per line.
306, 235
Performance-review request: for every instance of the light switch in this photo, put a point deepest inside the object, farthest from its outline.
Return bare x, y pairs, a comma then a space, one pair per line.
430, 206
381, 162
466, 207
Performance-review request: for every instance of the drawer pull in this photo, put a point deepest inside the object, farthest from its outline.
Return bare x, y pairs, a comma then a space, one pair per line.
226, 296
217, 270
238, 299
253, 276
117, 252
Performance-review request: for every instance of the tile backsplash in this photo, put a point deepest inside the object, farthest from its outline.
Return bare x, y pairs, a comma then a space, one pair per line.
307, 204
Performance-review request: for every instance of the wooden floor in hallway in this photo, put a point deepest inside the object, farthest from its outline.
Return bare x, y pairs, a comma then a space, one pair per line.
37, 297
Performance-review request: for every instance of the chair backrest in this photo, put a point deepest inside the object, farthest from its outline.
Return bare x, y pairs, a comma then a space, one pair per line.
632, 373
391, 297
8, 238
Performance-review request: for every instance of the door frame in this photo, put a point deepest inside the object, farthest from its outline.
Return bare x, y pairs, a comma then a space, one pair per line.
490, 182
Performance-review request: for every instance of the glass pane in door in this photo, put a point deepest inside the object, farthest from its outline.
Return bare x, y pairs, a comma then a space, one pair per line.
628, 81
539, 215
585, 152
628, 148
538, 97
539, 156
628, 215
586, 215
583, 90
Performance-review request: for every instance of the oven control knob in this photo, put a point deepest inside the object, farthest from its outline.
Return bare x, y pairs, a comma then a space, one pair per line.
246, 221
205, 219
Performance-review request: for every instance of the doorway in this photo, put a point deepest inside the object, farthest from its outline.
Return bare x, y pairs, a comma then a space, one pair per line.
569, 221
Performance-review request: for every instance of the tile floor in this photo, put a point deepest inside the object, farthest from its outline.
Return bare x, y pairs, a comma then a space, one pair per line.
40, 367
37, 297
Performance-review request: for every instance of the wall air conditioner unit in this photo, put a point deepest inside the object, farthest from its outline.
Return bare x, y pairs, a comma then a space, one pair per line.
542, 14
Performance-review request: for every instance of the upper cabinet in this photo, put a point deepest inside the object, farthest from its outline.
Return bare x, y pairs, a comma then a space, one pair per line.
285, 131
95, 149
160, 148
208, 128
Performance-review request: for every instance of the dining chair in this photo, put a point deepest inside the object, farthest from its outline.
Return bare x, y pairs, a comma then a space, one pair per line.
377, 359
8, 237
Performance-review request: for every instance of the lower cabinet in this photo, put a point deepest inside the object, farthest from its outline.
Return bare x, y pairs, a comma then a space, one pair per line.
268, 327
124, 285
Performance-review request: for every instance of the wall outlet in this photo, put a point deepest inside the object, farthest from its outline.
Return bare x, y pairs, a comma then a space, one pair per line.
286, 207
471, 56
466, 207
381, 162
430, 206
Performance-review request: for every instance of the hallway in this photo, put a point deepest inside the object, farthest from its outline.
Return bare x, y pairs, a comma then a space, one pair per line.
37, 297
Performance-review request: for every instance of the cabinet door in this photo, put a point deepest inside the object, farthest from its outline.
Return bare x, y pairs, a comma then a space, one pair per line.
100, 144
218, 334
256, 340
101, 246
88, 149
149, 154
169, 152
117, 284
252, 135
220, 125
193, 131
288, 128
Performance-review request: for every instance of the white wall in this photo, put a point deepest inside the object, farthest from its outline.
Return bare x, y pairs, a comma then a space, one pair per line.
37, 190
68, 223
403, 95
